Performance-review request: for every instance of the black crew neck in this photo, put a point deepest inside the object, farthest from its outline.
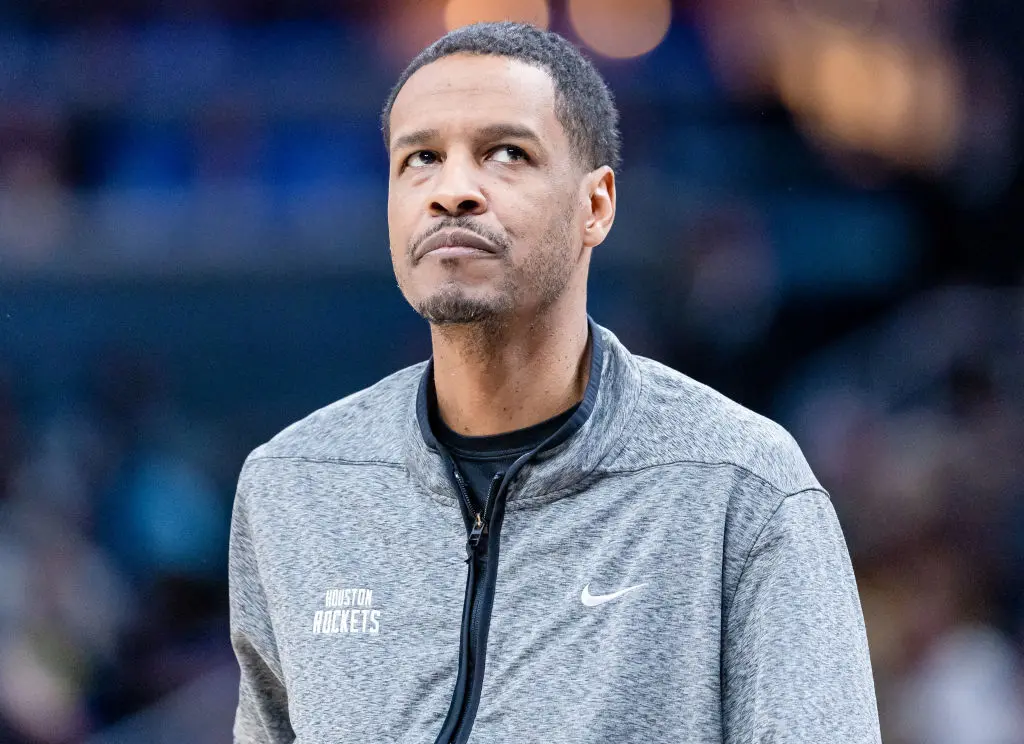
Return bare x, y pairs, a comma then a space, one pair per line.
502, 445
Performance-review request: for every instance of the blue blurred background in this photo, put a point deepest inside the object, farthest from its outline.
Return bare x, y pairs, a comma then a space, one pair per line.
820, 214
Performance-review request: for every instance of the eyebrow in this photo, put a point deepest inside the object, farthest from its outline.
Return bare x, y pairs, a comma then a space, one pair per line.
419, 137
494, 131
511, 131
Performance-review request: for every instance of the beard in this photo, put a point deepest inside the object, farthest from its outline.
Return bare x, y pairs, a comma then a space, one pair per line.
451, 305
541, 278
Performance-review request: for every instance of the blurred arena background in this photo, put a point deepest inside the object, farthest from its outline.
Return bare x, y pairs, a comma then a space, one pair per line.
821, 215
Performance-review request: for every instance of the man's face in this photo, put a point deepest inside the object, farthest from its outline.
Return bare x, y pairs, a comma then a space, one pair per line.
485, 205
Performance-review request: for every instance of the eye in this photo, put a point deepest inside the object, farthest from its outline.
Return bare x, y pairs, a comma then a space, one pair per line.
509, 154
421, 158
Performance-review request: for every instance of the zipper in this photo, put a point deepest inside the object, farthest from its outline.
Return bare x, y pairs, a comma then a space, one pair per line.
456, 726
479, 521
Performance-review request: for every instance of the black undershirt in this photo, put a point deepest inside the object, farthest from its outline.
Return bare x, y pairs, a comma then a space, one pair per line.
479, 459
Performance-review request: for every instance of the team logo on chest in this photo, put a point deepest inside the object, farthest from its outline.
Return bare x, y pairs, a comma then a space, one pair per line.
347, 611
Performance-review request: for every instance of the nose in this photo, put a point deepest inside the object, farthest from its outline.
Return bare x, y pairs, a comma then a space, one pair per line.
456, 191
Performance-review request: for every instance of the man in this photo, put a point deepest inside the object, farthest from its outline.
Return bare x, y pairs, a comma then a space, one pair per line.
536, 536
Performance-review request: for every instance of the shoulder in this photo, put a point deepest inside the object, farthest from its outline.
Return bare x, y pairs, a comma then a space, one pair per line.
365, 426
681, 421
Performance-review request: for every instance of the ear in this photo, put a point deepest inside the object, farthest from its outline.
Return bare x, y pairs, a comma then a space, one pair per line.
599, 188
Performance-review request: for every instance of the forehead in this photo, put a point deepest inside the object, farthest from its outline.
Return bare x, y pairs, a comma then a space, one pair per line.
463, 91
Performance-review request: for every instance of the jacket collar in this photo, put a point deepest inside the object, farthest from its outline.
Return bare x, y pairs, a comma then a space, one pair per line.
569, 457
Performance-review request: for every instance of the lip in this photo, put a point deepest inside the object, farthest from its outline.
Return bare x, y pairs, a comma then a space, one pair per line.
461, 242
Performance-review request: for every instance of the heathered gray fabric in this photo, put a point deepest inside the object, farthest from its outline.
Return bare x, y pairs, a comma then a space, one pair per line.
747, 628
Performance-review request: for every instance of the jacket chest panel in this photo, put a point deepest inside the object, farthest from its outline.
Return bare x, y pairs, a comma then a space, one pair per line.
596, 605
372, 648
368, 611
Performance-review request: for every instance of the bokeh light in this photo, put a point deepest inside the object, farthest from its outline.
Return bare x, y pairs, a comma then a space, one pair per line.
620, 28
854, 15
464, 12
855, 80
410, 27
871, 93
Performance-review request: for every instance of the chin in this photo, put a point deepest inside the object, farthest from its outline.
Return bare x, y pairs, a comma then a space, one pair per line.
448, 307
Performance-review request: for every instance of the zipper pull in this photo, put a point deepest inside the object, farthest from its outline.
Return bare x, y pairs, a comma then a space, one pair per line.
478, 530
473, 543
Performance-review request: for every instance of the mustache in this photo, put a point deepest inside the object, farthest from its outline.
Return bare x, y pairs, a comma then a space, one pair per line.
497, 239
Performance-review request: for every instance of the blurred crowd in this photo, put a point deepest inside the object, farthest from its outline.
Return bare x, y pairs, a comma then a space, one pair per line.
802, 238
114, 508
916, 425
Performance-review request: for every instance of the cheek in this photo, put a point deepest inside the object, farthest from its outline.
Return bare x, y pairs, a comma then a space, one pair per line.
531, 215
398, 231
563, 216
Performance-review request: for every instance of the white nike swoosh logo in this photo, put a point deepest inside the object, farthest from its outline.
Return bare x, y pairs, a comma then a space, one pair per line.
593, 600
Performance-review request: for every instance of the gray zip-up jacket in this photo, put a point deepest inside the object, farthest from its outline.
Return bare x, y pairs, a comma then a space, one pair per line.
671, 572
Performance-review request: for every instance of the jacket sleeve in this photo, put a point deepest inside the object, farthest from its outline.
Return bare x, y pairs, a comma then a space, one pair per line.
795, 664
262, 713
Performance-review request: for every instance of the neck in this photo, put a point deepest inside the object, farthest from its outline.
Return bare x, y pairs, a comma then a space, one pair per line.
492, 378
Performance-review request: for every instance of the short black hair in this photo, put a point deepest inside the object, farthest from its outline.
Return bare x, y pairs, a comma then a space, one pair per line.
583, 103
